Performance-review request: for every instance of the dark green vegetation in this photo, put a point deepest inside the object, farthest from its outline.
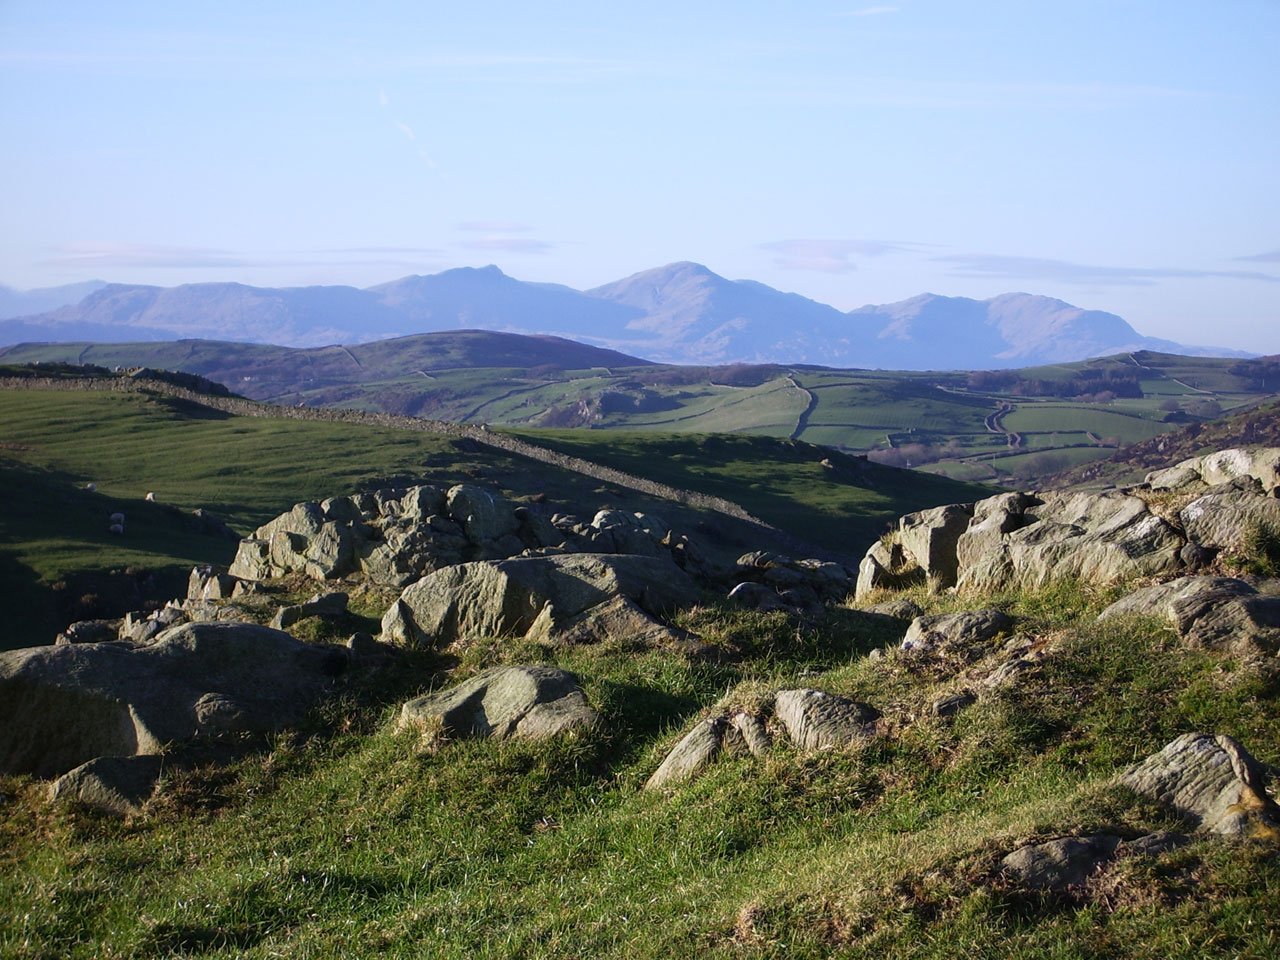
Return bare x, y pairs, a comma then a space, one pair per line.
1019, 425
822, 496
56, 550
349, 839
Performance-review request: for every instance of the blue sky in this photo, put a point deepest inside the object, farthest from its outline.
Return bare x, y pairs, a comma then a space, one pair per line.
1119, 155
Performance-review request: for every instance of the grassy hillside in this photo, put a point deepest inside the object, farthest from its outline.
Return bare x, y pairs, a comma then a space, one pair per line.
350, 839
248, 469
968, 425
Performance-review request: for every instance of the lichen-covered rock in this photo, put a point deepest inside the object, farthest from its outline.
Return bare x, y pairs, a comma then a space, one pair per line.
1261, 464
61, 706
1214, 612
118, 785
508, 597
533, 702
1212, 781
817, 720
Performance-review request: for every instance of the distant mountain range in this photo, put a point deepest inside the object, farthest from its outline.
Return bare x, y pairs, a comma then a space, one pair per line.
679, 313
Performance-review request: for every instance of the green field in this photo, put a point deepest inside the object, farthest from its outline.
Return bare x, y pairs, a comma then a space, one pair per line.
486, 378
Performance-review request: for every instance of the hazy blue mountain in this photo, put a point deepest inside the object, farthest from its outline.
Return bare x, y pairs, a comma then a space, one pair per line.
679, 313
485, 298
298, 316
1011, 330
690, 315
22, 303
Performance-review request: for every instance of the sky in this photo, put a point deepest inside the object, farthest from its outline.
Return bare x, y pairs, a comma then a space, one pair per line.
1119, 155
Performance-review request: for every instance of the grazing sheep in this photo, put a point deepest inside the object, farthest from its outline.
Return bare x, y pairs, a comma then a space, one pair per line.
116, 528
91, 487
151, 497
116, 518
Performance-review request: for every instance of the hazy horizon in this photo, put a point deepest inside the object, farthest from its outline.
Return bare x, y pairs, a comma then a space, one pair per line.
1119, 157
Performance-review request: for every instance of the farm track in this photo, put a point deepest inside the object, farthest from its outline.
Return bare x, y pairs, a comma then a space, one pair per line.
802, 421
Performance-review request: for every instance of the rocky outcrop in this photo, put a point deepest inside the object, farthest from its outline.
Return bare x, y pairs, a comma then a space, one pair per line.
61, 706
1262, 465
532, 702
391, 536
1211, 781
817, 720
1020, 540
552, 599
1215, 612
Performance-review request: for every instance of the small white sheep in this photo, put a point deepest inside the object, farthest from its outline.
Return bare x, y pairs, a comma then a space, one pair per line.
116, 528
117, 518
91, 487
151, 497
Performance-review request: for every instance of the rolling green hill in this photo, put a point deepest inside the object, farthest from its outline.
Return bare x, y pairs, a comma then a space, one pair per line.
1001, 426
248, 469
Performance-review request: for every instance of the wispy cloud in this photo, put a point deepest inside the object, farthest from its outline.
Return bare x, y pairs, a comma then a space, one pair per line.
159, 256
1272, 257
407, 130
869, 11
827, 256
508, 244
143, 255
493, 226
1064, 271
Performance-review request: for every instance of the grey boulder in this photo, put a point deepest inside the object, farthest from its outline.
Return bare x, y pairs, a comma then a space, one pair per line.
1214, 612
533, 702
817, 720
1211, 781
61, 706
117, 785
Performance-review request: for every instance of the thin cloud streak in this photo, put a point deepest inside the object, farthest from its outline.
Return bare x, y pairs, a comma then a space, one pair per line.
508, 244
827, 256
1272, 257
981, 265
493, 226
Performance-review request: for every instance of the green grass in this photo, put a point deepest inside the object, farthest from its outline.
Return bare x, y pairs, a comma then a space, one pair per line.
348, 839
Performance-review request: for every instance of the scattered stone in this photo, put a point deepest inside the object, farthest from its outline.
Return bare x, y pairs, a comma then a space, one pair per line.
534, 702
757, 596
955, 629
816, 720
90, 631
950, 706
206, 584
898, 609
325, 605
697, 750
117, 785
1061, 864
1212, 781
